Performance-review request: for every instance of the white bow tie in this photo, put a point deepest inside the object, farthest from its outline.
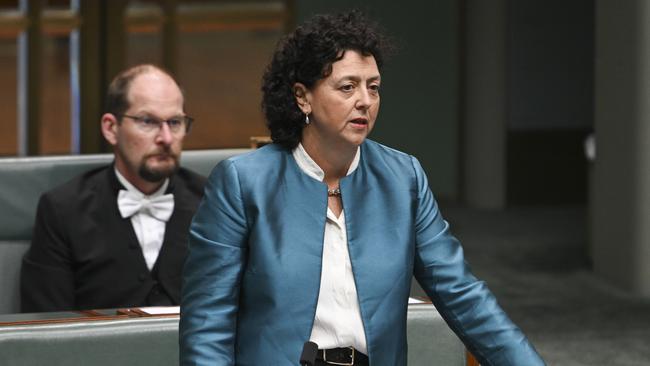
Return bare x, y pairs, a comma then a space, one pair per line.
160, 207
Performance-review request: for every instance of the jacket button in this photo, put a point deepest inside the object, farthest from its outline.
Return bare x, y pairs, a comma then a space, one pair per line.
142, 277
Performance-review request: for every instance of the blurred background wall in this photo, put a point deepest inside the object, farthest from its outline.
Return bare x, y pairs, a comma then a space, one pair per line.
494, 97
471, 82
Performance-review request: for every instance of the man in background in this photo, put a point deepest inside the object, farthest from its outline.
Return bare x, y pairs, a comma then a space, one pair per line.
116, 236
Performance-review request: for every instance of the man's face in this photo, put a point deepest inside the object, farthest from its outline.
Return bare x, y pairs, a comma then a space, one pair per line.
144, 153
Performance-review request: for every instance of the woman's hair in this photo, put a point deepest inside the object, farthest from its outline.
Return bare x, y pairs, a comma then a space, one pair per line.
305, 56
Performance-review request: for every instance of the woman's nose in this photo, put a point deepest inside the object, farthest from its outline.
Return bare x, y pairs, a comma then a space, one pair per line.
364, 100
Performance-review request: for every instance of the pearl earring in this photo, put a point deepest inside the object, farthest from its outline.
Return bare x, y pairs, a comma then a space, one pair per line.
307, 121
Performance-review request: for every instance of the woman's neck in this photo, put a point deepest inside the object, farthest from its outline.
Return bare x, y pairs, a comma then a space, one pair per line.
335, 161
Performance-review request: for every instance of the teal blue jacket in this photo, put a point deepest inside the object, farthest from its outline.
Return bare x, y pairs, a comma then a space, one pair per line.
252, 277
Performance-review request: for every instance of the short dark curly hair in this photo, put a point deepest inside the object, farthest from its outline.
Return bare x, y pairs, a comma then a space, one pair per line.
305, 56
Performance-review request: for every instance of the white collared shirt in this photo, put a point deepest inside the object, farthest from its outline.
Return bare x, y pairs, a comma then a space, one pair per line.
149, 230
338, 317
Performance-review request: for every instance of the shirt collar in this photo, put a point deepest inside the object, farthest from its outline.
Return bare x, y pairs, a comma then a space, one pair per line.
131, 188
309, 166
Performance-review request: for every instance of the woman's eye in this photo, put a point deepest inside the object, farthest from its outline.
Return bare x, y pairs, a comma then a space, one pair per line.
347, 87
374, 88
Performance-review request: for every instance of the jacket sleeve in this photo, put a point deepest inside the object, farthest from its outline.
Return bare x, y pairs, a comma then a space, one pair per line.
47, 277
466, 304
212, 272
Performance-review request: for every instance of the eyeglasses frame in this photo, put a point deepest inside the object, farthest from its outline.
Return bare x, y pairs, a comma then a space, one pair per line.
187, 119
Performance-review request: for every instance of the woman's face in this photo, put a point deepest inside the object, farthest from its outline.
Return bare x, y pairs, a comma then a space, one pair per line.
343, 106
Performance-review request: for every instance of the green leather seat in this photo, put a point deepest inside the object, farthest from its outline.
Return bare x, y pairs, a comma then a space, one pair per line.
154, 341
430, 341
133, 341
23, 180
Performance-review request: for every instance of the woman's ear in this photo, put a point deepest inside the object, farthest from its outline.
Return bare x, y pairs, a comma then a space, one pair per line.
300, 92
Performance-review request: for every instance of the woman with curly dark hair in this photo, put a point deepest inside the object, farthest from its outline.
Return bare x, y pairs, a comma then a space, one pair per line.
316, 236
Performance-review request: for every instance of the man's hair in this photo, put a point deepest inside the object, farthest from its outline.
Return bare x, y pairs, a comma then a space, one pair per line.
117, 97
305, 56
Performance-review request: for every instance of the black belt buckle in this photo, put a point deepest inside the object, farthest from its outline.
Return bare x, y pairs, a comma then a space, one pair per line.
351, 363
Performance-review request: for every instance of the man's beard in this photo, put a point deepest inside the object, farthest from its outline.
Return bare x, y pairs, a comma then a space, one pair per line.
157, 174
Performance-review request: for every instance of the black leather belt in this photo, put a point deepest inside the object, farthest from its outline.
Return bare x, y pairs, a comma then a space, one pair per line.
347, 356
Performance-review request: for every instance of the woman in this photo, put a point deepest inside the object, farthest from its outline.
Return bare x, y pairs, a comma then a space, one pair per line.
316, 236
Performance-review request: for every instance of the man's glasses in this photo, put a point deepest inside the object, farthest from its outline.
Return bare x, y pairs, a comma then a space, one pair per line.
176, 125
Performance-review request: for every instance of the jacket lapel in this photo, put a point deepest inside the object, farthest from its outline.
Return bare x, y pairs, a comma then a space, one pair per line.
168, 267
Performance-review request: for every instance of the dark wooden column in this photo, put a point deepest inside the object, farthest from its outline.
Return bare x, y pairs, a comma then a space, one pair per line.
170, 35
30, 79
91, 69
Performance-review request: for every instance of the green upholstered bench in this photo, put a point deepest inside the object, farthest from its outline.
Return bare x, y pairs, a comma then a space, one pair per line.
150, 341
24, 179
154, 341
130, 341
431, 342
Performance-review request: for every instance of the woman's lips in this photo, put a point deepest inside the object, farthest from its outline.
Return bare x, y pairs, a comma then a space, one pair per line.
359, 122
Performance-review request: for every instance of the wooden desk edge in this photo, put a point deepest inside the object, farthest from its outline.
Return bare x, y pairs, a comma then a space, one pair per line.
471, 360
124, 313
84, 316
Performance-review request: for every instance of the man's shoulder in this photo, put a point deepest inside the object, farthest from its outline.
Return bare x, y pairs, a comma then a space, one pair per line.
190, 180
78, 194
73, 189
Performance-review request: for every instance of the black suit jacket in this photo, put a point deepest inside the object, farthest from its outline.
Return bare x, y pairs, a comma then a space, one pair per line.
84, 255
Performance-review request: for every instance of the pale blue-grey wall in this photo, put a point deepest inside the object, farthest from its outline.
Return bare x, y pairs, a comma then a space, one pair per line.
621, 194
419, 112
550, 64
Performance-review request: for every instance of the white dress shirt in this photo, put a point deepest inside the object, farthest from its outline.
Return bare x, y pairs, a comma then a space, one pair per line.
338, 318
149, 230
